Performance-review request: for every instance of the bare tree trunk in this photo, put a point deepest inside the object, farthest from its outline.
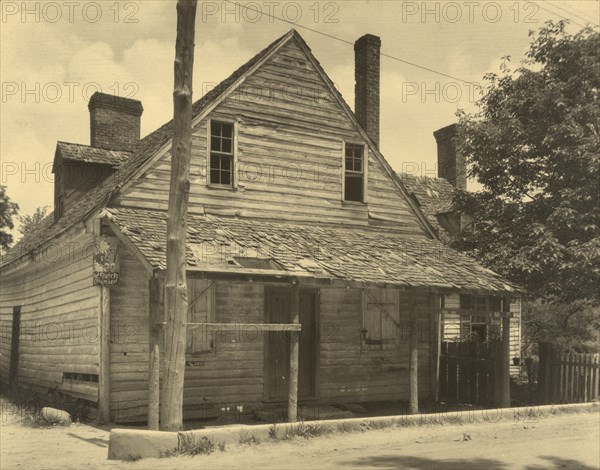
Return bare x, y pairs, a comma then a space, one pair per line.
413, 357
171, 418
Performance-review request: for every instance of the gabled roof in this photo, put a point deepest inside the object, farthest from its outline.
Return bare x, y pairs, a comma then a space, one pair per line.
433, 194
150, 146
86, 154
145, 150
364, 255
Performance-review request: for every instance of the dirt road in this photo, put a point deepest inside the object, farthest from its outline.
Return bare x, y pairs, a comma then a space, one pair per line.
565, 441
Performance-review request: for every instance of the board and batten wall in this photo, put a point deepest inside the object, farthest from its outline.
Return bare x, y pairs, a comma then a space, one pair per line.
59, 328
289, 156
232, 373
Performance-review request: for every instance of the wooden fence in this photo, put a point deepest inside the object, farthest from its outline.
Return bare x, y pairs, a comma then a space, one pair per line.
567, 377
469, 372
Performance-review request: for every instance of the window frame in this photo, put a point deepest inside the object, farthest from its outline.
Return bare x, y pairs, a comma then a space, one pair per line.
365, 165
234, 152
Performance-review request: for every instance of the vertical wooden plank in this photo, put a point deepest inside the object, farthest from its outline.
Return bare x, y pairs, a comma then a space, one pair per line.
434, 362
156, 315
452, 372
443, 376
294, 354
561, 384
540, 374
505, 361
573, 379
596, 381
13, 375
104, 377
413, 360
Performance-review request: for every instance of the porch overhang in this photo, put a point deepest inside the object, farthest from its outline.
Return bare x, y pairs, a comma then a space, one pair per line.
320, 255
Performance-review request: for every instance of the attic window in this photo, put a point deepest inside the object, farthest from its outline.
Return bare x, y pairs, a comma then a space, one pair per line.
256, 263
354, 172
221, 153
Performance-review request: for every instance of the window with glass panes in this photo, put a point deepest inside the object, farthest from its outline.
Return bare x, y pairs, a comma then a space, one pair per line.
354, 173
221, 153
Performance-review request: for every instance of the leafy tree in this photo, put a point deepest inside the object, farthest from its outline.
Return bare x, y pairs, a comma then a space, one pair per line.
8, 209
534, 145
30, 223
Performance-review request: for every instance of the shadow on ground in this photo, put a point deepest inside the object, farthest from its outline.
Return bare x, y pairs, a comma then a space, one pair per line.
399, 461
407, 461
557, 462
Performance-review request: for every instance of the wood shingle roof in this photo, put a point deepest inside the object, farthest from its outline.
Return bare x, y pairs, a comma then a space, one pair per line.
361, 255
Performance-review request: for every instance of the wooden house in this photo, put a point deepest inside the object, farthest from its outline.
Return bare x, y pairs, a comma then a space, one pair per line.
293, 209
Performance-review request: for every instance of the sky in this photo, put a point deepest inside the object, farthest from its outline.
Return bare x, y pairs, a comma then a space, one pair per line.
56, 54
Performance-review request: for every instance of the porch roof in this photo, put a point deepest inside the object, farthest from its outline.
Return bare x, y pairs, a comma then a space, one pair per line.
371, 256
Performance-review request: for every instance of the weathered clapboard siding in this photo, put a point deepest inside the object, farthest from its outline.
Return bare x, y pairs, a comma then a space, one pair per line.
348, 372
59, 317
515, 334
452, 326
289, 155
129, 307
232, 373
452, 320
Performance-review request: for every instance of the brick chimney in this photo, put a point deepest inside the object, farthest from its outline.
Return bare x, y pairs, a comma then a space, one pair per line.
451, 164
114, 121
366, 89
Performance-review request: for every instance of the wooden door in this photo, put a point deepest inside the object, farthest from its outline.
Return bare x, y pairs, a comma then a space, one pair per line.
277, 345
14, 345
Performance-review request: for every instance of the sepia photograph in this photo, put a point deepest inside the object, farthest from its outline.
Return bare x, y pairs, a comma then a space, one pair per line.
353, 234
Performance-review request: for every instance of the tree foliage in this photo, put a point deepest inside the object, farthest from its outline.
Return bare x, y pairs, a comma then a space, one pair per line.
8, 209
534, 145
30, 223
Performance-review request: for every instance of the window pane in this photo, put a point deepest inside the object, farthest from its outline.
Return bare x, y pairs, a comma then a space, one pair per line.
227, 130
353, 188
225, 163
226, 145
215, 144
215, 128
226, 177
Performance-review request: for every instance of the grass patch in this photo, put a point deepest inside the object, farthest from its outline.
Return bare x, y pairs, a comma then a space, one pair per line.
248, 439
307, 431
190, 445
273, 431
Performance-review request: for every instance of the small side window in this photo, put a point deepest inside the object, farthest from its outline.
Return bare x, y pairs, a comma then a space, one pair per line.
354, 173
221, 153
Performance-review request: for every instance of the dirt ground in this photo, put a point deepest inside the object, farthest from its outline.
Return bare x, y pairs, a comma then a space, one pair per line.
562, 441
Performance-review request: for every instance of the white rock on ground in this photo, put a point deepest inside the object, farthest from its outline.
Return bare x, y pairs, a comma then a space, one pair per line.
52, 415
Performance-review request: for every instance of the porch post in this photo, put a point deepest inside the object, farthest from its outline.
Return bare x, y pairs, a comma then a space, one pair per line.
413, 359
435, 338
104, 376
156, 314
505, 360
294, 353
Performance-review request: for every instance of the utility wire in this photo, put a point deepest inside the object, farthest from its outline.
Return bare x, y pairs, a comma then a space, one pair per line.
296, 25
587, 16
559, 15
568, 12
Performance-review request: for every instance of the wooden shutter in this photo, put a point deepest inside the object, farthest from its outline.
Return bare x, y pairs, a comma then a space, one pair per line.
381, 317
200, 310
